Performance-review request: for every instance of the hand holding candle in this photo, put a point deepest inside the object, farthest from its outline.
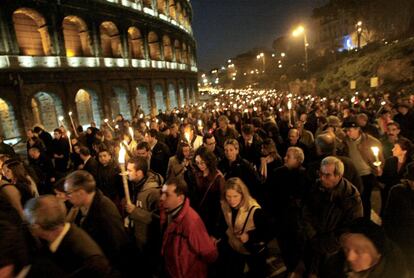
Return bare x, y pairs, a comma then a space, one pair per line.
375, 151
124, 174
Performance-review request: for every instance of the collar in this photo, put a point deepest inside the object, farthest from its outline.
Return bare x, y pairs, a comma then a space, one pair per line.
53, 247
85, 209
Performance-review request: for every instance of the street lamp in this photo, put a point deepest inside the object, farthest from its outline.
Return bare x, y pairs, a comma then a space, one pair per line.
297, 32
262, 56
359, 33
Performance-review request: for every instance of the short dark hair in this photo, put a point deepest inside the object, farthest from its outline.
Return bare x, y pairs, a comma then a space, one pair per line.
397, 125
247, 129
57, 130
81, 179
143, 145
179, 154
84, 151
140, 163
207, 136
37, 129
153, 133
180, 187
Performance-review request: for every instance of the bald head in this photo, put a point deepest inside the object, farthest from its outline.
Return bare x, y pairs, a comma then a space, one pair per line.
325, 144
47, 211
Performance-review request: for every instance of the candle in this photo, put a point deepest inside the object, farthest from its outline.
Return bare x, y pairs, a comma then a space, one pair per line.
73, 123
290, 107
187, 136
375, 151
131, 132
61, 120
121, 160
108, 124
70, 143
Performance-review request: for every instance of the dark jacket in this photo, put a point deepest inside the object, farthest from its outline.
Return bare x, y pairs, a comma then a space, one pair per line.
390, 174
159, 158
79, 255
399, 218
60, 147
221, 135
44, 170
104, 224
251, 153
325, 214
187, 248
109, 180
6, 149
242, 169
91, 166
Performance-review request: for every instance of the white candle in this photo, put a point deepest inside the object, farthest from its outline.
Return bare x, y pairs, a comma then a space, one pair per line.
121, 160
375, 151
70, 143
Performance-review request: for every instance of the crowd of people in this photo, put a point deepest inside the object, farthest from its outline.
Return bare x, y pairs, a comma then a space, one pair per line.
203, 189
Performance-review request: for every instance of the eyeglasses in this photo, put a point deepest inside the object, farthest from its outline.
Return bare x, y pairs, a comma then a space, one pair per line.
68, 193
325, 175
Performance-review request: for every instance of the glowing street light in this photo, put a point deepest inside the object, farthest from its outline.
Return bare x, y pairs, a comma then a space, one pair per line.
298, 32
359, 32
262, 56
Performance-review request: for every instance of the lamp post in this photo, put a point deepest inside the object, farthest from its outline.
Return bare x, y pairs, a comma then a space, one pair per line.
297, 32
359, 33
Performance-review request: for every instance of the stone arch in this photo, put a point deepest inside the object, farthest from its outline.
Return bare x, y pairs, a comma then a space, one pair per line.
120, 103
110, 40
147, 3
46, 109
76, 37
184, 55
142, 98
8, 122
168, 52
160, 103
135, 43
154, 46
177, 51
162, 6
172, 95
88, 107
179, 13
31, 32
181, 93
171, 10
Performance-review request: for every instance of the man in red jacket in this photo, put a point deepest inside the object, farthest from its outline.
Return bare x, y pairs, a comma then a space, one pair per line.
187, 248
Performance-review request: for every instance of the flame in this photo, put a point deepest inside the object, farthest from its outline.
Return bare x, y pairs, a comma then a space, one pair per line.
122, 153
375, 150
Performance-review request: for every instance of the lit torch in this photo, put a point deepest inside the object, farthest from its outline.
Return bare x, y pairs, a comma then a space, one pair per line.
375, 151
124, 174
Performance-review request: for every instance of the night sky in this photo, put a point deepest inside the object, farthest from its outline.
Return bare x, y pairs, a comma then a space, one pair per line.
225, 28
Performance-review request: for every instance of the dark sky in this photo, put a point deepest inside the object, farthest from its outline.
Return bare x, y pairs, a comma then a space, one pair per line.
225, 28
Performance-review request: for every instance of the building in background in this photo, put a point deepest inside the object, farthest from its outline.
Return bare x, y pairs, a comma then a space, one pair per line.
95, 58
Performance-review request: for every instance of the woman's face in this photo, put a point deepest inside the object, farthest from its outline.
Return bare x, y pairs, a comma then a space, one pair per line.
233, 198
201, 164
7, 172
231, 152
360, 252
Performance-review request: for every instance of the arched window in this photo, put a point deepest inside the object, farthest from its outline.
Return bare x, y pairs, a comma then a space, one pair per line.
110, 40
172, 11
168, 52
8, 123
154, 46
177, 50
159, 97
88, 107
76, 36
31, 32
162, 6
147, 3
172, 95
142, 99
184, 57
135, 43
179, 13
47, 108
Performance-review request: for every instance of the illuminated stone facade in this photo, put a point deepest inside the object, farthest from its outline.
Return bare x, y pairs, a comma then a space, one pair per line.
96, 58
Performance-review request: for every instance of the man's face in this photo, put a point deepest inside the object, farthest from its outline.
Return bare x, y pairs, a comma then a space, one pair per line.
170, 200
75, 196
393, 131
187, 152
142, 153
223, 124
231, 152
328, 179
210, 144
352, 133
247, 137
293, 137
360, 252
33, 153
104, 158
57, 135
134, 175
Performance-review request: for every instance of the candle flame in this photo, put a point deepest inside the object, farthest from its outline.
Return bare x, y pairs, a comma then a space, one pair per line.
106, 120
375, 150
70, 113
289, 104
68, 134
131, 132
122, 153
61, 118
187, 136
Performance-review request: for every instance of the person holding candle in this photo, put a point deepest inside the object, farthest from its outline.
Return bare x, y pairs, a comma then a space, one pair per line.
144, 211
160, 153
357, 145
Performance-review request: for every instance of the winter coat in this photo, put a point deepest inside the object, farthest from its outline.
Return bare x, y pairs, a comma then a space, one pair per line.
187, 247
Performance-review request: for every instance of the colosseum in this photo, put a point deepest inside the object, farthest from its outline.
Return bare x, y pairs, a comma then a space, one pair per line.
93, 58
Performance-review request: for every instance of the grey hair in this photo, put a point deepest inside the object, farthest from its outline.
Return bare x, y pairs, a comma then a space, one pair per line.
332, 160
297, 153
47, 211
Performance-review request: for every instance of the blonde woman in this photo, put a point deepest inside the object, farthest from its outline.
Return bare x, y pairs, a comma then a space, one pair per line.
245, 231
